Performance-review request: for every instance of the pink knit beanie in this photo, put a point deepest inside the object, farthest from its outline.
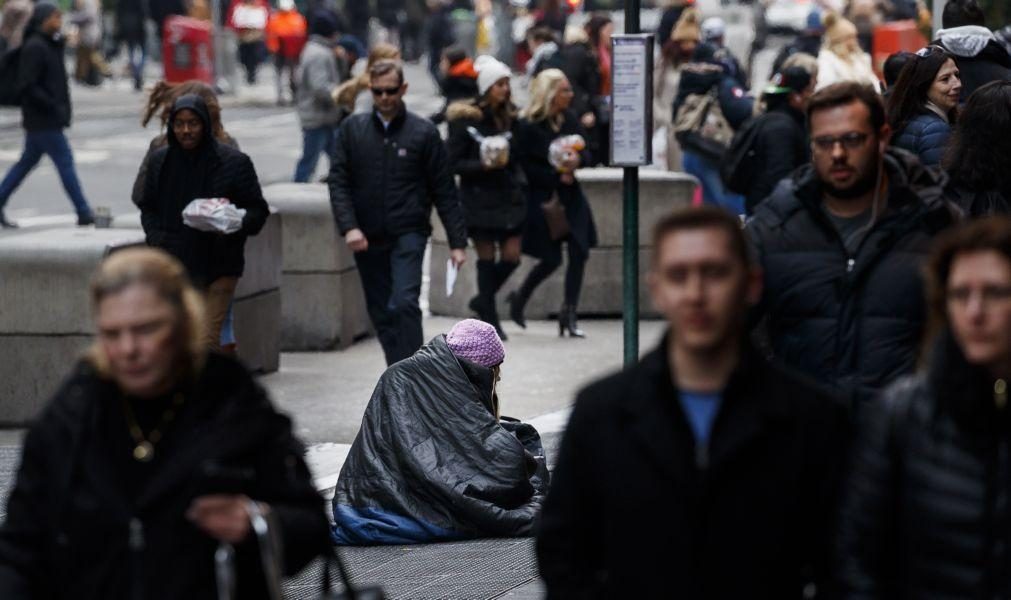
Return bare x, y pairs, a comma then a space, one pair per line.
477, 342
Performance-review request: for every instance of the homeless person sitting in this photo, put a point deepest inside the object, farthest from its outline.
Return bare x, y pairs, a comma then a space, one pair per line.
433, 461
150, 455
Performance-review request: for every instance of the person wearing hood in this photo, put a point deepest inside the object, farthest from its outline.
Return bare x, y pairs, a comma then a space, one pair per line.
841, 58
192, 166
318, 76
841, 243
923, 105
980, 58
440, 408
925, 511
45, 110
543, 45
491, 182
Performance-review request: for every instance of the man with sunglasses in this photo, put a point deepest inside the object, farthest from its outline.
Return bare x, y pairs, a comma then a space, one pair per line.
841, 242
390, 167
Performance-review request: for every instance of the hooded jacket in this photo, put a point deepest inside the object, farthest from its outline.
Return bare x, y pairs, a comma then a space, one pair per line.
492, 198
212, 170
851, 322
926, 509
87, 522
979, 57
42, 76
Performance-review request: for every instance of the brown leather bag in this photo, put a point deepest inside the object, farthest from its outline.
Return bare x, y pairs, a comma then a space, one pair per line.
555, 217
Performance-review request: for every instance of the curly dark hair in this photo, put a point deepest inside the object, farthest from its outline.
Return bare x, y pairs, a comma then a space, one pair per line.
163, 95
979, 150
909, 95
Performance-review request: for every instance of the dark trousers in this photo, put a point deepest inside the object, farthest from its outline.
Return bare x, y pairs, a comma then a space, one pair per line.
549, 263
53, 143
391, 276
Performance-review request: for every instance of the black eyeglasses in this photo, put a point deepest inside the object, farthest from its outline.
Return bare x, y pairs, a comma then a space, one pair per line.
385, 91
851, 141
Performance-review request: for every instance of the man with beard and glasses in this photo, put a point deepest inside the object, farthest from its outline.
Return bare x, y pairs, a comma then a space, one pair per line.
841, 242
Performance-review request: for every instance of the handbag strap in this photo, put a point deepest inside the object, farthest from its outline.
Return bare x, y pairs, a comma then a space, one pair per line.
271, 567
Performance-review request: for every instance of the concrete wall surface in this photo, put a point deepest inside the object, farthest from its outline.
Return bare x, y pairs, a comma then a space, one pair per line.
659, 193
322, 303
45, 317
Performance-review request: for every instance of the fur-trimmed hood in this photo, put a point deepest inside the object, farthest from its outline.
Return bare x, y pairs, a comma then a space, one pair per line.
464, 110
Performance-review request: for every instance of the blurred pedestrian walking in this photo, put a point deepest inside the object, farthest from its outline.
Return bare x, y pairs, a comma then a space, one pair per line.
552, 145
581, 65
980, 151
841, 245
457, 79
731, 463
923, 105
543, 45
317, 77
440, 33
482, 149
980, 58
389, 168
45, 110
194, 166
674, 54
287, 35
152, 455
441, 407
131, 16
13, 19
925, 505
89, 64
354, 95
249, 20
841, 58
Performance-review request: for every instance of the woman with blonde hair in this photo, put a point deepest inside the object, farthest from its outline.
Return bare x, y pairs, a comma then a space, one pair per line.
352, 95
551, 145
841, 58
154, 452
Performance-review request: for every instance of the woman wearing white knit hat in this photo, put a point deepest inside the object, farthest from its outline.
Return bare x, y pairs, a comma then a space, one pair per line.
482, 133
841, 58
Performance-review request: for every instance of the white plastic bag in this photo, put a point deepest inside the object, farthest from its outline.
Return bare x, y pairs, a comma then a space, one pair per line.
216, 215
494, 148
565, 149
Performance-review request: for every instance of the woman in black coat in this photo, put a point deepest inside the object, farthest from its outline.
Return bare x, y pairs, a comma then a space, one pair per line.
927, 505
491, 186
152, 454
980, 152
547, 118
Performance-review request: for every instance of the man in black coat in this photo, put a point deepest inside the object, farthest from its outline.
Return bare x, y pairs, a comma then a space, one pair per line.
841, 243
725, 462
194, 165
45, 110
980, 58
780, 143
389, 168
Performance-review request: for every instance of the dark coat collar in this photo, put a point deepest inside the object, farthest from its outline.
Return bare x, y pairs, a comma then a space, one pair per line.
658, 422
395, 124
964, 391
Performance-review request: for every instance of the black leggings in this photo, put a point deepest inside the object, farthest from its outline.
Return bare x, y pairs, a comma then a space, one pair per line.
549, 263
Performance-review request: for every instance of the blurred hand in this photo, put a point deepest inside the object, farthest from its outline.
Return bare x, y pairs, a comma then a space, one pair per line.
356, 240
568, 179
589, 120
571, 164
458, 256
224, 517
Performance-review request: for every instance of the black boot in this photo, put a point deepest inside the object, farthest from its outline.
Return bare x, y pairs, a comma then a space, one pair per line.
567, 322
5, 224
517, 302
484, 303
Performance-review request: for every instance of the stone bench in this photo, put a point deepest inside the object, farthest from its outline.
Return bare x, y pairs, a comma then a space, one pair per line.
45, 313
257, 304
659, 193
322, 303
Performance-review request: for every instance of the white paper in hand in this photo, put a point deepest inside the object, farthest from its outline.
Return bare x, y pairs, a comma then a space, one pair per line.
451, 272
216, 215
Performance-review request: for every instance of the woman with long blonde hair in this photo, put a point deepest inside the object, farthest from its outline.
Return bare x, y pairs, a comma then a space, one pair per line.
557, 210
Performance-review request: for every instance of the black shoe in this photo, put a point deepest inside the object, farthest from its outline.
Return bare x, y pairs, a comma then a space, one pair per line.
488, 313
516, 305
5, 224
85, 220
567, 322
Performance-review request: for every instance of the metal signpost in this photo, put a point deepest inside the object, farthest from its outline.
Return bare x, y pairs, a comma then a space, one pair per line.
631, 148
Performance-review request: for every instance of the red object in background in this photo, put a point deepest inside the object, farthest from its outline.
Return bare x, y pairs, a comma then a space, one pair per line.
187, 52
893, 37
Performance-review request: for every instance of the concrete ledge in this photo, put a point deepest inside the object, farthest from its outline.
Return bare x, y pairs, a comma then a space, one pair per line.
322, 303
258, 330
659, 193
45, 317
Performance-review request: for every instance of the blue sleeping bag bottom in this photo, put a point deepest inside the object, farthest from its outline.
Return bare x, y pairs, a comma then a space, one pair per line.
365, 526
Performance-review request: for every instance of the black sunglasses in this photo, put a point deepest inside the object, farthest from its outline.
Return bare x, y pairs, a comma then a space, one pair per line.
385, 91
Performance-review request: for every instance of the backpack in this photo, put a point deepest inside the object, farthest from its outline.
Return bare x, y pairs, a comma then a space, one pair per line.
9, 61
700, 126
739, 165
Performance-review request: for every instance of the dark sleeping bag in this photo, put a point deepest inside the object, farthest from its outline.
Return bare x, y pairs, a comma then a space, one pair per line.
432, 463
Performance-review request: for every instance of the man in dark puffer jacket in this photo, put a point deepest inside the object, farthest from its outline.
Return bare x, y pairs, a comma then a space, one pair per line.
841, 244
980, 58
389, 167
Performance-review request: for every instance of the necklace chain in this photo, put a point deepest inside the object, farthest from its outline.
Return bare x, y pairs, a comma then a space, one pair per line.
143, 450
